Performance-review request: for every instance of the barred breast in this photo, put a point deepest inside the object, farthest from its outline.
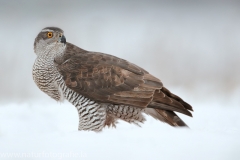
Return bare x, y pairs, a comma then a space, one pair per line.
44, 75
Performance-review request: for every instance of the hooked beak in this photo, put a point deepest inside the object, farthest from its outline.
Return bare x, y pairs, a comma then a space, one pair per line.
63, 39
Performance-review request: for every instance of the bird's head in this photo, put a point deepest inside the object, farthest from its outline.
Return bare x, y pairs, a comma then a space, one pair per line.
49, 38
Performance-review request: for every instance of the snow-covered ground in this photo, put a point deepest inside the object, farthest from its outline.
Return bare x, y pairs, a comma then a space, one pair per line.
48, 130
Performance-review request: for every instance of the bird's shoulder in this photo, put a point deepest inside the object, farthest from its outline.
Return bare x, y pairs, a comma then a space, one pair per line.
79, 58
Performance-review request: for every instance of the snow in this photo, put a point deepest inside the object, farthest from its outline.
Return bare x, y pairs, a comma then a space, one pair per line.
48, 130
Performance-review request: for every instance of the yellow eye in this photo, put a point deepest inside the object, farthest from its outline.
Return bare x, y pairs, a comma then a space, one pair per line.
49, 34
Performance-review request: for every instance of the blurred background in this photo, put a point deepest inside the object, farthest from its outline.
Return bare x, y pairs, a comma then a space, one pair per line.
194, 48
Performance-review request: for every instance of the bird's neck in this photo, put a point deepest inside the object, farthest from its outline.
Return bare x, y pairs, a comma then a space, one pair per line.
51, 51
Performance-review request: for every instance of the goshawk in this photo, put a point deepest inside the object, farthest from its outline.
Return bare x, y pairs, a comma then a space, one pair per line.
102, 87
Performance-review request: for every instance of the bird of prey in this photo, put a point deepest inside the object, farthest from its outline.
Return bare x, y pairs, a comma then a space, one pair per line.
102, 87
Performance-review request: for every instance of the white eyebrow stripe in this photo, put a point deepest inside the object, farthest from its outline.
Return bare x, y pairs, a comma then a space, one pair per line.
47, 30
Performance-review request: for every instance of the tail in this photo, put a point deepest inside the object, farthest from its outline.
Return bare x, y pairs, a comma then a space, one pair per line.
164, 104
166, 116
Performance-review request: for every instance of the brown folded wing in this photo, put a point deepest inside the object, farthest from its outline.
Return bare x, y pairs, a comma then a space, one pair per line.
106, 78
